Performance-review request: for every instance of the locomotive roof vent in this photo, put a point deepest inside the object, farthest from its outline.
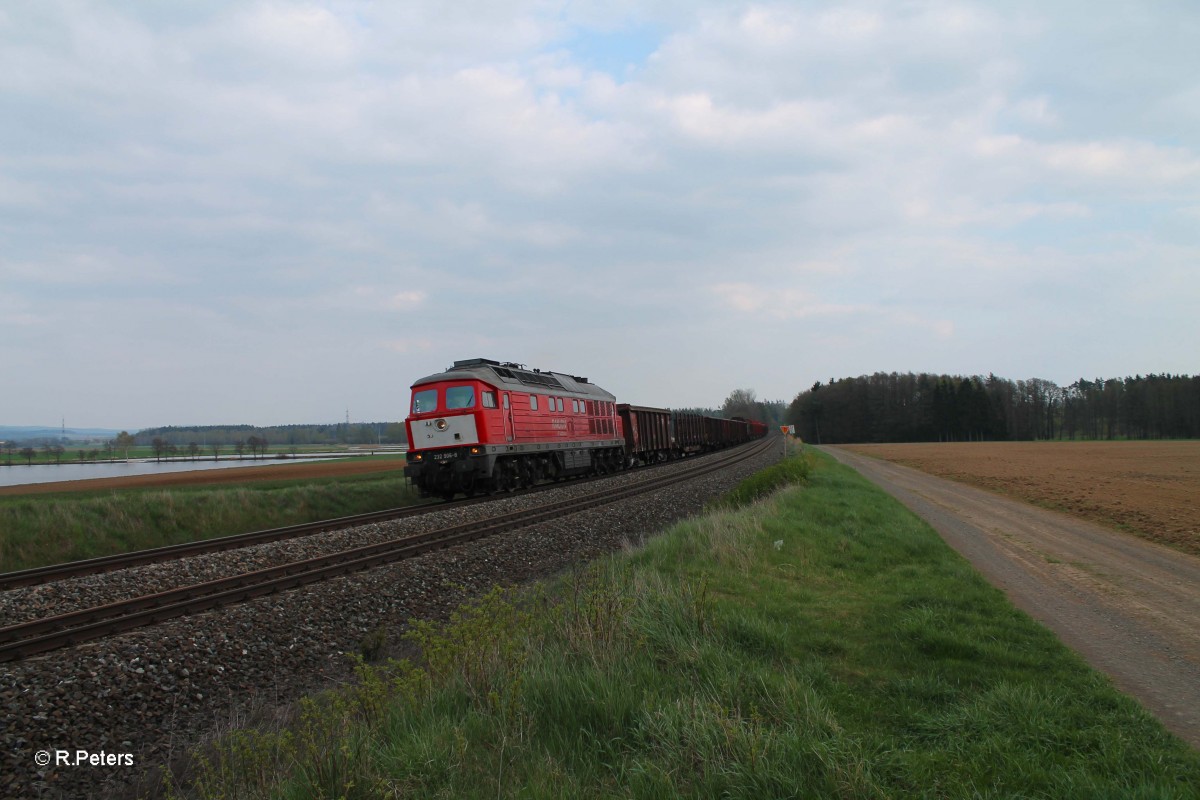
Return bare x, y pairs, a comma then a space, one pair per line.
475, 362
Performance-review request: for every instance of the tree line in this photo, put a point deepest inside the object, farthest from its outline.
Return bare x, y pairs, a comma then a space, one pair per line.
892, 407
52, 449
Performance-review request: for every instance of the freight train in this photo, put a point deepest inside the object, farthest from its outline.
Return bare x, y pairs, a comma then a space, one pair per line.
485, 426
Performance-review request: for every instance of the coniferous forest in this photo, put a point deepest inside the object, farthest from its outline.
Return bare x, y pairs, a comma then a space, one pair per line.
892, 407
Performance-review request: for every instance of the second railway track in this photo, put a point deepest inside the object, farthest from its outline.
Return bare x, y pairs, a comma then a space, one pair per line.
42, 635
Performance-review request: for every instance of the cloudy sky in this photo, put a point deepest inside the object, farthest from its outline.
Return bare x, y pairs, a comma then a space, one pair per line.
272, 212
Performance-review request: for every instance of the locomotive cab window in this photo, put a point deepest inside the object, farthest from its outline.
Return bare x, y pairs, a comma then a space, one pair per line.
424, 401
533, 402
489, 399
460, 397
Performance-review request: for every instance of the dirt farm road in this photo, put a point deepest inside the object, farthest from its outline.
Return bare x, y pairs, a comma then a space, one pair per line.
1130, 607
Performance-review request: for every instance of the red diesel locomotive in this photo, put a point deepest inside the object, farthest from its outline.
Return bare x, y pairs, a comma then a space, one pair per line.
485, 426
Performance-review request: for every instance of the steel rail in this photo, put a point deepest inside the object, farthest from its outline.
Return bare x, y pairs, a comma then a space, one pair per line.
72, 569
39, 636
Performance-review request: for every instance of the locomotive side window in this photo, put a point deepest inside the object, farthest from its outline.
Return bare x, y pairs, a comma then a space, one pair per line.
460, 397
489, 399
506, 401
533, 402
424, 402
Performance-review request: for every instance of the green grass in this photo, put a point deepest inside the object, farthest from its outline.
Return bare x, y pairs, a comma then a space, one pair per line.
789, 471
36, 530
821, 644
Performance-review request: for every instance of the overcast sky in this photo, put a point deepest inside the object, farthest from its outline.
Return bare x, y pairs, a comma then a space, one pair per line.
274, 212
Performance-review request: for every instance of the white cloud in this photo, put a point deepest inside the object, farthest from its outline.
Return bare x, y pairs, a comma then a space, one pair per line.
1126, 161
792, 304
304, 35
408, 300
406, 346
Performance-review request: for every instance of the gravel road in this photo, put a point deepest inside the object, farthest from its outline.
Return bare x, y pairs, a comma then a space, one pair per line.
1131, 608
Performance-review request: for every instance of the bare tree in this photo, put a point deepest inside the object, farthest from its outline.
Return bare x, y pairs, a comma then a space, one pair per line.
742, 403
28, 453
193, 449
124, 441
216, 450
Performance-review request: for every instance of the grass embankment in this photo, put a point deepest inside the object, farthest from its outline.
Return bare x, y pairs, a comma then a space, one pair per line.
822, 643
42, 529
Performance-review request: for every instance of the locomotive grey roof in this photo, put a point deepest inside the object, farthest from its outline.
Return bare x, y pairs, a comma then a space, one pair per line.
518, 376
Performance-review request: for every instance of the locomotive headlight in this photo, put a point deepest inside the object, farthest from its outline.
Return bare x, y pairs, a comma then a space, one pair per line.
475, 451
415, 457
441, 424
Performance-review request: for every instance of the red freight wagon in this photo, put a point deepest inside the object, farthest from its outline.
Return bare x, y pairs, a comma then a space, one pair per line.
687, 432
485, 426
647, 433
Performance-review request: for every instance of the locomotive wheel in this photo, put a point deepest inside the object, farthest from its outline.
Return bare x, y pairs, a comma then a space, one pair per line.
504, 477
528, 471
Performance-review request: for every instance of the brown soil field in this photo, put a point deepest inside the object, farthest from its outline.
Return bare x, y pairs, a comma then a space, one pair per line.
314, 470
1151, 489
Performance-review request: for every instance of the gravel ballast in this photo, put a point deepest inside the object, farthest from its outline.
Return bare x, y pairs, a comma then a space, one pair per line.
149, 695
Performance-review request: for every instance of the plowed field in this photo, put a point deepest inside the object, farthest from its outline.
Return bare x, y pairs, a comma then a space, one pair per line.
1151, 489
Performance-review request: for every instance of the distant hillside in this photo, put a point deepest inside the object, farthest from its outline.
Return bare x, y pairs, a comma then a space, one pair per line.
279, 435
24, 433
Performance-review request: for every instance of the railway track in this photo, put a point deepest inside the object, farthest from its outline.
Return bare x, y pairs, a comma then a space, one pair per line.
39, 636
91, 566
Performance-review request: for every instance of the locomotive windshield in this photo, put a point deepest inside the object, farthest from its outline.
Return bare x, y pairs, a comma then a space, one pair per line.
460, 397
425, 401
